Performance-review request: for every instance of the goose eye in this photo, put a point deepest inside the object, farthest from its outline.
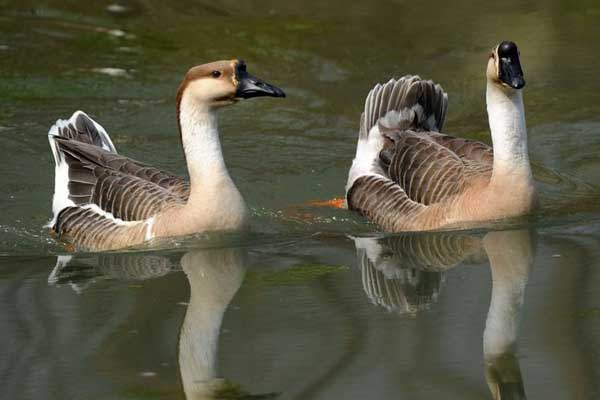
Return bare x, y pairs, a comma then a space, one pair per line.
216, 74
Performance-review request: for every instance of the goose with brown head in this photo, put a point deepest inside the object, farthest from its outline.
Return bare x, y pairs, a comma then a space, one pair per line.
205, 89
127, 203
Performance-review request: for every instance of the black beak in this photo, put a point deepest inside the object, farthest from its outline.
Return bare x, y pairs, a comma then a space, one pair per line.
250, 86
509, 66
511, 73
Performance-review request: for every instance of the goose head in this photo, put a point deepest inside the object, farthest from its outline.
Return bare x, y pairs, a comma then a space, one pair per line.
504, 66
222, 83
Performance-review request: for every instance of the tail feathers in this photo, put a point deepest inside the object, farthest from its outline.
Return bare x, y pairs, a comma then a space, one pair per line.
82, 128
406, 103
68, 179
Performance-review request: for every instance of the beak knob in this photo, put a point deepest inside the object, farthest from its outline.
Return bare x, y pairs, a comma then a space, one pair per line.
510, 71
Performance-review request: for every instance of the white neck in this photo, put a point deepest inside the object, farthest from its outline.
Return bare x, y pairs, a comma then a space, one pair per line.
509, 133
201, 143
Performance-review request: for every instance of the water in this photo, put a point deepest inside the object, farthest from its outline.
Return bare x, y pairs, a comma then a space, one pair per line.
315, 303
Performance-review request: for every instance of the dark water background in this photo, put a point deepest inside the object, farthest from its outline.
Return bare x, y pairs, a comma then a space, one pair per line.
299, 309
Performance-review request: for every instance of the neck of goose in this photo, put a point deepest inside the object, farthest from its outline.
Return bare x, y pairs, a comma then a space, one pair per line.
201, 145
509, 134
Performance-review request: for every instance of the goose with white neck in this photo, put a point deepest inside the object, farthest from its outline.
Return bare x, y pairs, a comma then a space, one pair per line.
105, 201
408, 176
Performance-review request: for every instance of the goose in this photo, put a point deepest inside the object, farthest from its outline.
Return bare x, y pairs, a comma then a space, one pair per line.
104, 201
407, 176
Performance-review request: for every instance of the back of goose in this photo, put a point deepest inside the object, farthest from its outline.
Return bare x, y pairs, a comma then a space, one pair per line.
406, 175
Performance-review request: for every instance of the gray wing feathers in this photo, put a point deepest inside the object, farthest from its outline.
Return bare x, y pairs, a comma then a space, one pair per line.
93, 231
383, 201
102, 200
428, 172
406, 103
420, 172
92, 155
126, 189
131, 198
465, 148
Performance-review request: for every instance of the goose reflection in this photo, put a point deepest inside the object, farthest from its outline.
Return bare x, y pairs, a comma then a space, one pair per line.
214, 276
511, 256
83, 273
404, 274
